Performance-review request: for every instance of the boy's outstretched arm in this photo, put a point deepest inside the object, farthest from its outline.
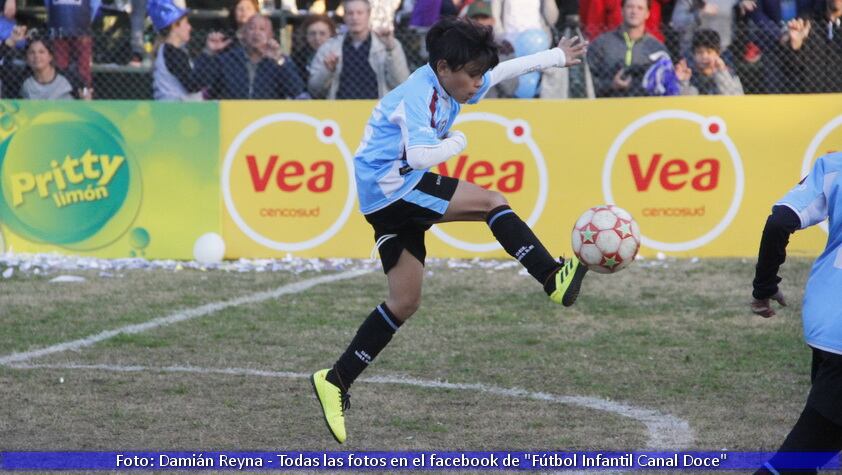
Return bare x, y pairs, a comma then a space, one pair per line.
568, 52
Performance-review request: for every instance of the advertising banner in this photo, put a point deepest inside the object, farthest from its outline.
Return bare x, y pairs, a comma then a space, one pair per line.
287, 179
698, 174
110, 179
121, 179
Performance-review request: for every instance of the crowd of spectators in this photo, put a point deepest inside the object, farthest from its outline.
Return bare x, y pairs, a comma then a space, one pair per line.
361, 49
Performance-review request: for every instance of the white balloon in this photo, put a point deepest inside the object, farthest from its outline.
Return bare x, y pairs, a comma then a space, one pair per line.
209, 248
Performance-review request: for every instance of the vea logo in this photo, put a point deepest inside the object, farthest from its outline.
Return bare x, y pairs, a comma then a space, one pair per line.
505, 178
674, 174
681, 176
506, 159
287, 181
68, 179
290, 176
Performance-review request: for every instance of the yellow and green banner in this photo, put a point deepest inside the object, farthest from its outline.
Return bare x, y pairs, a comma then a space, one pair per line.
111, 179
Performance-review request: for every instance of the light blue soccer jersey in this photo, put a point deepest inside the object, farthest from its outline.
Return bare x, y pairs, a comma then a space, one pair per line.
818, 197
418, 113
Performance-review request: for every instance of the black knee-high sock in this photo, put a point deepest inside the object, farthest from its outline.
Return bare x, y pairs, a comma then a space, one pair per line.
812, 433
373, 335
521, 243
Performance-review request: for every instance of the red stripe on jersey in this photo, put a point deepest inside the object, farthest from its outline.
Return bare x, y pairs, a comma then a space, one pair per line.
433, 102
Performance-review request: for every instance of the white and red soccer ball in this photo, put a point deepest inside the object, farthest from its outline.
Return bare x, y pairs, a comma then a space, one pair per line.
606, 238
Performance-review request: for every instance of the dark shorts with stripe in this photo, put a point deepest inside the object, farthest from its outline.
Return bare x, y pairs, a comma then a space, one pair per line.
826, 391
410, 217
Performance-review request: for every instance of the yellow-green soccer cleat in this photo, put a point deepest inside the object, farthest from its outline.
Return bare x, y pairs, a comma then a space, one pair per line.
333, 401
568, 281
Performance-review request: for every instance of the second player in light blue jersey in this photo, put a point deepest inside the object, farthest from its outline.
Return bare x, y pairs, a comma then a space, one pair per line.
818, 197
407, 134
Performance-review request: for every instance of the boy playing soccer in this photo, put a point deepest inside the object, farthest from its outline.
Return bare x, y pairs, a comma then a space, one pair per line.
407, 134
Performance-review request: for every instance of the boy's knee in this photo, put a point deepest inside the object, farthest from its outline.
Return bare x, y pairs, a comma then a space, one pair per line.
405, 306
496, 199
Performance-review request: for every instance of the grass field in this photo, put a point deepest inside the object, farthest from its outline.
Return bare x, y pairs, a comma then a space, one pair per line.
672, 339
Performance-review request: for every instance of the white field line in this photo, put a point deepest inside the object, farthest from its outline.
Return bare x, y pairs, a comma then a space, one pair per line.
664, 430
181, 316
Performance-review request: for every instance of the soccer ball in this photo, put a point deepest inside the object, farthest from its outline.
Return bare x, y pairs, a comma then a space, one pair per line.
606, 238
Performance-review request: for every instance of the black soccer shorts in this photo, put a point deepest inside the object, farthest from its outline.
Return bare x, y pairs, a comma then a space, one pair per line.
402, 224
826, 391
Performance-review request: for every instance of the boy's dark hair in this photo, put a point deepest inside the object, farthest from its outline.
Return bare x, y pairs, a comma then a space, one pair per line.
707, 39
459, 41
35, 36
165, 31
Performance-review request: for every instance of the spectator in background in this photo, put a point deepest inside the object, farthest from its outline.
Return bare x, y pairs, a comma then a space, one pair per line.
317, 30
256, 69
383, 13
359, 64
11, 75
239, 14
513, 18
619, 58
45, 81
321, 7
174, 77
427, 12
708, 73
772, 15
137, 20
600, 16
690, 16
69, 24
480, 12
7, 20
10, 9
815, 46
771, 18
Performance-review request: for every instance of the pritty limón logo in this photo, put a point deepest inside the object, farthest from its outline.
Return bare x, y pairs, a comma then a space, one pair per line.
68, 179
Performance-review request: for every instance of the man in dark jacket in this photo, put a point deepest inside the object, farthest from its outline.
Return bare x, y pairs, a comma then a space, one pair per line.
254, 70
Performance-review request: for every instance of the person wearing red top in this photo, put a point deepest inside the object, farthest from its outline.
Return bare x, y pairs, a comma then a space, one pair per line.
599, 16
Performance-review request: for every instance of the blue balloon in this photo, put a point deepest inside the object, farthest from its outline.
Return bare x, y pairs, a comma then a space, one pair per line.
531, 42
527, 85
6, 27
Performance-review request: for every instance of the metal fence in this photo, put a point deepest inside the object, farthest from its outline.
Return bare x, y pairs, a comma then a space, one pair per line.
762, 64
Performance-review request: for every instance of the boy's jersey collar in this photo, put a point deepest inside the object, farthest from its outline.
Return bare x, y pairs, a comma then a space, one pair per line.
434, 79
